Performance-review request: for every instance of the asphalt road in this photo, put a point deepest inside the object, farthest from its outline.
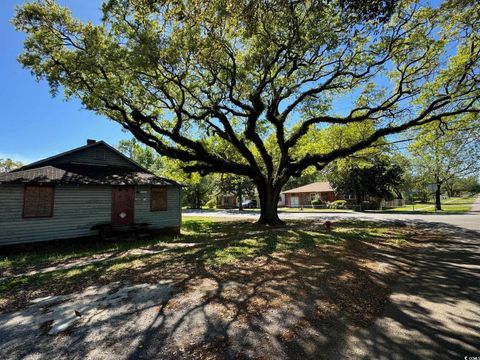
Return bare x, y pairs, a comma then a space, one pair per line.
468, 221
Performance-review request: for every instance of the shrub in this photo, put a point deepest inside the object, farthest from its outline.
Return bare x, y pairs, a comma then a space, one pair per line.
316, 203
338, 204
370, 205
211, 203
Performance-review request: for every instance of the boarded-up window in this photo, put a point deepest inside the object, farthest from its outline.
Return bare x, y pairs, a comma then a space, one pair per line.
37, 201
158, 199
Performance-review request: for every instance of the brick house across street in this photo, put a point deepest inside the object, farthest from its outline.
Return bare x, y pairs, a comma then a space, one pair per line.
303, 195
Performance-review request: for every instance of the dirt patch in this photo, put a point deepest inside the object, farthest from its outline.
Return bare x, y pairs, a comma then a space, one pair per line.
281, 304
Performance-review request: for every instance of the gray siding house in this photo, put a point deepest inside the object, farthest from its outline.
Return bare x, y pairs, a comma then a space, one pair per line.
69, 195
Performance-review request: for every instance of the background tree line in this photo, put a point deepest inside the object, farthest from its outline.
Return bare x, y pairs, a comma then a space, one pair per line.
436, 162
381, 172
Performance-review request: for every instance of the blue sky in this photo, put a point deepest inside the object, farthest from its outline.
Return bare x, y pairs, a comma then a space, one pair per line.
33, 125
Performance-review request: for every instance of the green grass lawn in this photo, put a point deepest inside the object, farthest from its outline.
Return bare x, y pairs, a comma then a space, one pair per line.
451, 205
307, 210
283, 209
203, 242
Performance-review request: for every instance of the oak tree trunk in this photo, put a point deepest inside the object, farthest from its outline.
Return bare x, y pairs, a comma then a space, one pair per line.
438, 199
240, 199
197, 203
269, 197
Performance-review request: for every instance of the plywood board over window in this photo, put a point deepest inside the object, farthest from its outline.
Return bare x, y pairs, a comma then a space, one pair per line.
37, 201
158, 198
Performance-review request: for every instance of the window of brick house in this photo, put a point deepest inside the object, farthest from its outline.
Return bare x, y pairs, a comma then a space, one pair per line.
37, 201
158, 198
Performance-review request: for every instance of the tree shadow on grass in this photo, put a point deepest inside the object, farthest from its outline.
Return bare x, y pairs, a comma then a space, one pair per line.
433, 312
211, 243
296, 292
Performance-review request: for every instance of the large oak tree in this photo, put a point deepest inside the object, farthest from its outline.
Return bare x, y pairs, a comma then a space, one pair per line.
198, 79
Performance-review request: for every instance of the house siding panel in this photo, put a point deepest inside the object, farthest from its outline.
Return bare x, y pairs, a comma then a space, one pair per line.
172, 217
88, 156
76, 209
305, 199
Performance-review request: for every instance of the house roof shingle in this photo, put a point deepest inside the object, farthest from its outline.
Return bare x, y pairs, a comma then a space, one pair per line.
313, 187
53, 171
84, 174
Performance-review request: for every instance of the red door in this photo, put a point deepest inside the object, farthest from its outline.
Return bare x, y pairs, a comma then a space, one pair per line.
122, 205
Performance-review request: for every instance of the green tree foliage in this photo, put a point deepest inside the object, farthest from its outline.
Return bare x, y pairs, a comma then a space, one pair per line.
470, 184
7, 165
442, 155
379, 180
308, 176
240, 186
197, 189
463, 185
189, 77
142, 154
